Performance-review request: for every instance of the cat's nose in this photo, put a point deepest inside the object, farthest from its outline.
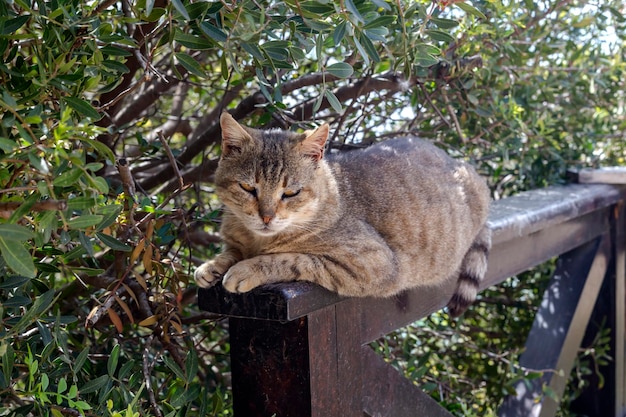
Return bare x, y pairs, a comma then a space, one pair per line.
267, 216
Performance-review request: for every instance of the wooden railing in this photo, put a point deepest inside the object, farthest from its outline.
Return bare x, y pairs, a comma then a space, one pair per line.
298, 350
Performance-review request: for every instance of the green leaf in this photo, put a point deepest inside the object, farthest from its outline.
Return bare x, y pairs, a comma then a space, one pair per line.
16, 301
440, 35
339, 33
174, 367
115, 66
213, 32
253, 50
94, 385
192, 41
17, 257
468, 8
113, 360
80, 203
83, 107
45, 382
14, 281
11, 25
180, 7
80, 360
369, 48
109, 214
100, 148
73, 392
8, 145
353, 10
340, 69
41, 304
149, 7
333, 100
82, 405
376, 34
62, 387
68, 178
24, 208
16, 232
113, 243
314, 9
426, 60
190, 64
115, 51
84, 221
444, 23
191, 365
361, 50
382, 21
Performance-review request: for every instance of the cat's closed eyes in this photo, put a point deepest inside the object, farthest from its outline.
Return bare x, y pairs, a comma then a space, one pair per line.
397, 215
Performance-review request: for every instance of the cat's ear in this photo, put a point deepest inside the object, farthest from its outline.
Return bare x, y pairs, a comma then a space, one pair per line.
314, 142
234, 136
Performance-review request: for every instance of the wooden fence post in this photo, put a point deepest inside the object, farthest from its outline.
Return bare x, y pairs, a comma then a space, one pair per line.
605, 395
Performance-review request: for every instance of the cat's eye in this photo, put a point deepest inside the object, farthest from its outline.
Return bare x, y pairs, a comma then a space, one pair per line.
290, 193
248, 187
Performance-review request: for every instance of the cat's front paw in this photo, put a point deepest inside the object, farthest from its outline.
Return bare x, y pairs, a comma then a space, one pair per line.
243, 277
209, 273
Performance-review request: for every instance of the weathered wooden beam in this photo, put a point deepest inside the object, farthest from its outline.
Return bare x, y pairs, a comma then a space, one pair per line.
604, 394
620, 311
607, 175
558, 329
270, 368
389, 394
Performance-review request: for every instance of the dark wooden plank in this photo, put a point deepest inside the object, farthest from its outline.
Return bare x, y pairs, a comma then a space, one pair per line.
270, 368
511, 257
389, 394
281, 302
559, 326
323, 363
607, 398
620, 309
606, 175
380, 316
350, 363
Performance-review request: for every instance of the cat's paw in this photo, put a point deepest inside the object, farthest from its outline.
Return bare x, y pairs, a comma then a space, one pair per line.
242, 277
209, 273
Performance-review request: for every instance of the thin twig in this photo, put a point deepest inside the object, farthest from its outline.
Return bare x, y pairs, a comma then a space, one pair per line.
39, 206
455, 120
170, 155
147, 370
430, 102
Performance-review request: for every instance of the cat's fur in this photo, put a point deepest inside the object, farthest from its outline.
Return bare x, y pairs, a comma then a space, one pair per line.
397, 215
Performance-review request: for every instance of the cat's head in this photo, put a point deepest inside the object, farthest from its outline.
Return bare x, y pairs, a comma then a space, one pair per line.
268, 178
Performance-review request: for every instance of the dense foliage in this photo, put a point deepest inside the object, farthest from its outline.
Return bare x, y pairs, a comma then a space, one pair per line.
109, 138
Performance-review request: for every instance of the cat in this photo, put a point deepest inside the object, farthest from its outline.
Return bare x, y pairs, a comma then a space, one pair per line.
374, 222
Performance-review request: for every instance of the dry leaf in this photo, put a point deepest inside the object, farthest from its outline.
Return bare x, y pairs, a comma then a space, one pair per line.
116, 320
149, 321
126, 309
147, 259
137, 251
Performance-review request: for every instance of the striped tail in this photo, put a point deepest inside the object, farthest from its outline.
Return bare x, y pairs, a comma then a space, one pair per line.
473, 271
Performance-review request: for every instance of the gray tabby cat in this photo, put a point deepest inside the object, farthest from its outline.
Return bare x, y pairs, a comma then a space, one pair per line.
400, 214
